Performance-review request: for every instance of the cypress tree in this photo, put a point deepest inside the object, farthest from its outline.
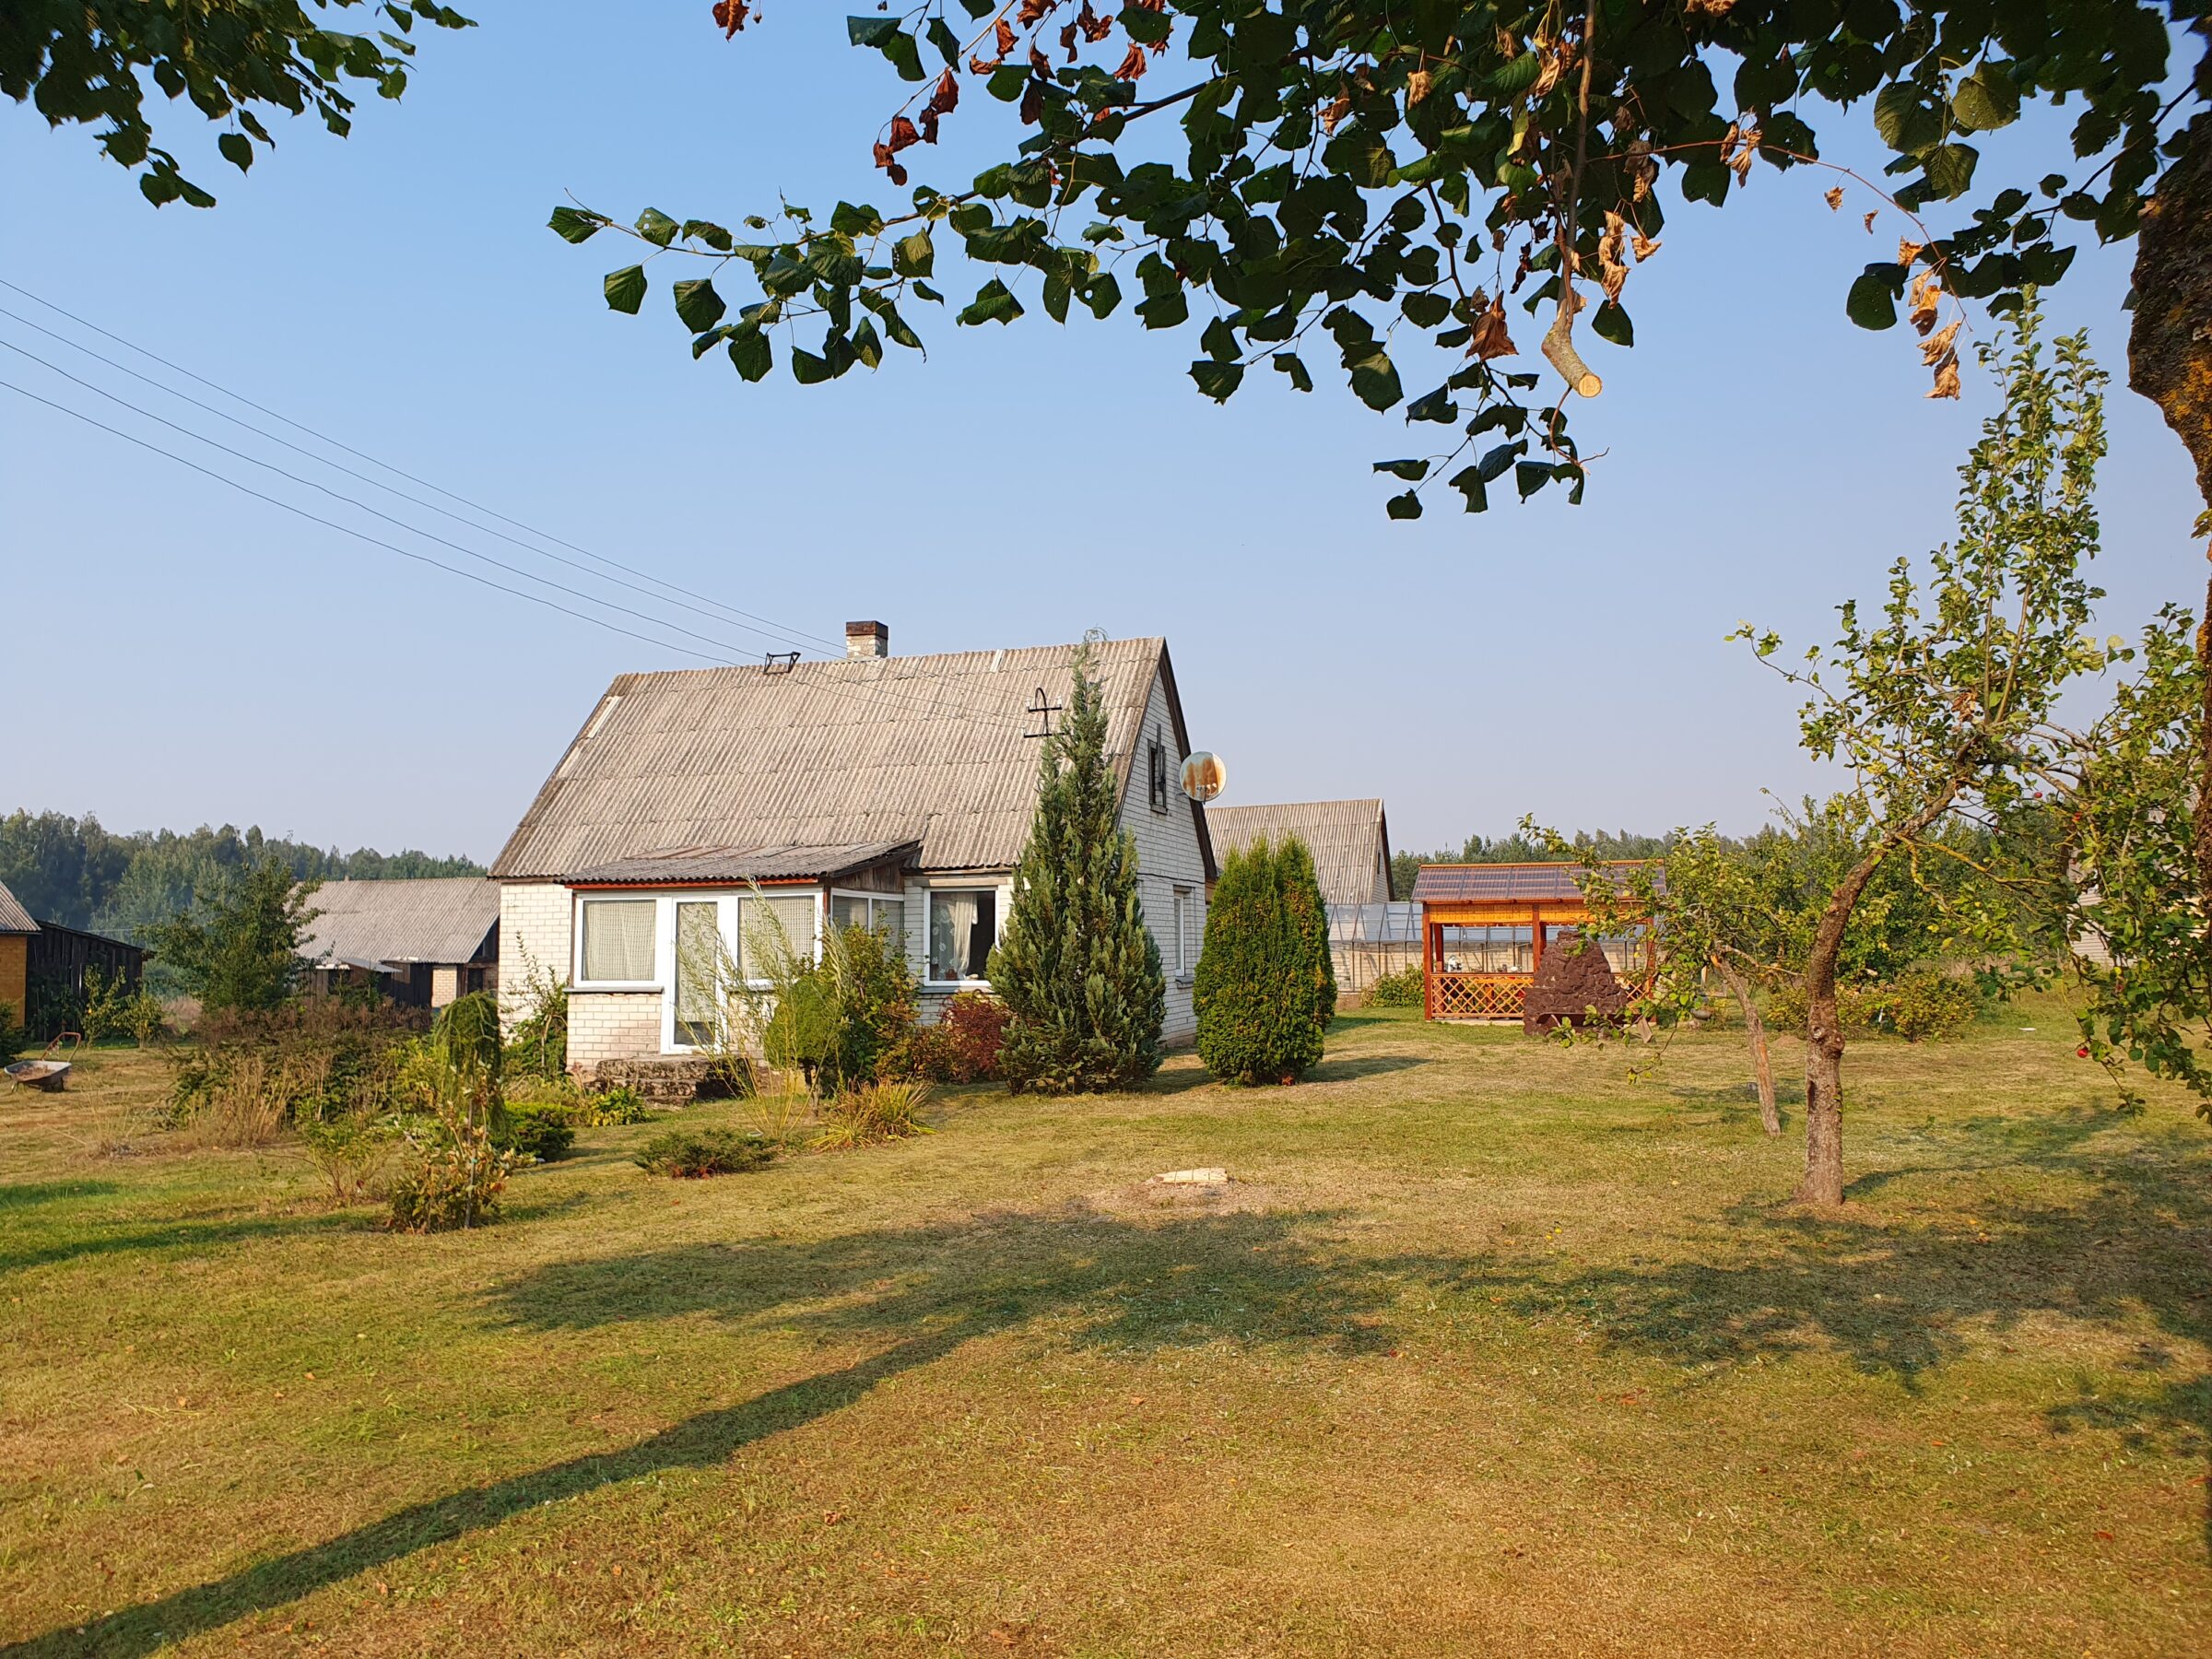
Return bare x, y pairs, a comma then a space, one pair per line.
1256, 990
1076, 966
1301, 885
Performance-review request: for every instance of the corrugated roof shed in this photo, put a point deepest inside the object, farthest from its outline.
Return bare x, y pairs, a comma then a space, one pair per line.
14, 918
1450, 883
826, 754
367, 923
1349, 840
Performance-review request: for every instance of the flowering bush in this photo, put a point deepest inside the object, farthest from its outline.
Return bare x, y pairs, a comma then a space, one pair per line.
962, 1047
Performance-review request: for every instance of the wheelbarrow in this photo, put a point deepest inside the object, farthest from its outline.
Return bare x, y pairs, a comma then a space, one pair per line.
46, 1074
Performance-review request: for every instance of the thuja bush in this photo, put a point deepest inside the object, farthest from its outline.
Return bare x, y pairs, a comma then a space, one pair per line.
1258, 988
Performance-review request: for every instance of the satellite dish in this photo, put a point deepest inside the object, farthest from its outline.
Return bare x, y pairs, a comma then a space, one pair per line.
1204, 776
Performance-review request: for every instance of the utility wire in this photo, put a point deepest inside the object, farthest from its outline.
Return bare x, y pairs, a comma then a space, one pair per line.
349, 530
353, 502
298, 448
870, 696
876, 691
769, 623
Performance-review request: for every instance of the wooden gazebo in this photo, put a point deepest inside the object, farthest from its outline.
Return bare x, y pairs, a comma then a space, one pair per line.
1484, 928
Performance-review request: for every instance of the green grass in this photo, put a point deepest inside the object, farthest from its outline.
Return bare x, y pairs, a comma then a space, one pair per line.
1488, 1349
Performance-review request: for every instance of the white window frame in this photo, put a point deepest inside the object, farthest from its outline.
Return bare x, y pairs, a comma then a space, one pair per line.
999, 928
873, 900
616, 896
726, 916
1185, 914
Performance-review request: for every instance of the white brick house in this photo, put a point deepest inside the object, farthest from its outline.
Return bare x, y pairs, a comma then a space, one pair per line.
894, 791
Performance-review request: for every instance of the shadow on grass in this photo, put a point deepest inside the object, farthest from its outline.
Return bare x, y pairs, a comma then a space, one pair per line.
1901, 1296
30, 1194
40, 1250
911, 1297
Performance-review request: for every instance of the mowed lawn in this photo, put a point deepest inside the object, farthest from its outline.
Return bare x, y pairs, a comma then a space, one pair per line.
1489, 1348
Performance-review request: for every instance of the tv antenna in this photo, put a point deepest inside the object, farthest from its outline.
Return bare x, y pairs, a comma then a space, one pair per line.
1043, 711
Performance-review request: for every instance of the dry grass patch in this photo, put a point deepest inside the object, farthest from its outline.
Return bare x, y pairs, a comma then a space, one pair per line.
1483, 1350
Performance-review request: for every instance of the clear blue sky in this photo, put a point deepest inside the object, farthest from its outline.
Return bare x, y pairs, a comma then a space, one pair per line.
189, 655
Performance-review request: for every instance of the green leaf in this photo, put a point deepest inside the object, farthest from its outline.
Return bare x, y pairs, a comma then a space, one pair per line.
1102, 295
751, 354
870, 31
809, 369
1217, 380
236, 150
626, 288
1426, 310
1872, 302
1986, 99
1220, 341
1518, 75
993, 302
946, 41
1950, 169
697, 304
1529, 476
1056, 295
570, 224
1413, 472
1467, 480
1612, 323
708, 231
1375, 380
914, 256
979, 9
656, 227
1406, 506
1435, 406
848, 220
1499, 459
1289, 363
1145, 27
1908, 118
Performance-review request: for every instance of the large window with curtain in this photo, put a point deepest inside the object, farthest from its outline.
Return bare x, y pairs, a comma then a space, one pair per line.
620, 941
963, 926
768, 923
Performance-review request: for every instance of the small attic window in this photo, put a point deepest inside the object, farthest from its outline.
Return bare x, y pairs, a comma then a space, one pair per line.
1158, 771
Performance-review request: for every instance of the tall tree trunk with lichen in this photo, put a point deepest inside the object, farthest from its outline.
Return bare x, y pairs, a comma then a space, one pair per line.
2169, 361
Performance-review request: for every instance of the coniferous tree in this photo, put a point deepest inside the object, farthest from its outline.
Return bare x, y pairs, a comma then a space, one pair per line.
1309, 912
1256, 991
1076, 966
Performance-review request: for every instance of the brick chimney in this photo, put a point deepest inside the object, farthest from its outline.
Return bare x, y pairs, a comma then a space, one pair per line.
867, 640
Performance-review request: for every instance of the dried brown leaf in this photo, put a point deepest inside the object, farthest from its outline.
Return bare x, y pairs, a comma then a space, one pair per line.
1333, 117
1490, 336
1834, 198
1924, 302
1003, 37
1134, 66
1908, 251
1033, 9
1095, 27
1947, 378
731, 15
1645, 247
1870, 218
1937, 346
1612, 262
1416, 86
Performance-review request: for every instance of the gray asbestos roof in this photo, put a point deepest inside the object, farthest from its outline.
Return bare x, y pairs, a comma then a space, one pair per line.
1349, 841
376, 924
14, 918
758, 864
830, 754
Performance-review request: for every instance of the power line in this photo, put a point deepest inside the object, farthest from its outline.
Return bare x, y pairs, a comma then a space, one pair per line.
876, 693
349, 530
338, 466
869, 696
770, 624
465, 552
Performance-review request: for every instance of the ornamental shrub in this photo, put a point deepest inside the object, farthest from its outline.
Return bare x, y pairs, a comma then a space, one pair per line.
1405, 989
962, 1047
1922, 1003
692, 1154
1257, 989
544, 1130
876, 1112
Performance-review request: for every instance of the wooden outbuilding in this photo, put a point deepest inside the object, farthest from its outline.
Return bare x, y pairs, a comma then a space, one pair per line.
1485, 927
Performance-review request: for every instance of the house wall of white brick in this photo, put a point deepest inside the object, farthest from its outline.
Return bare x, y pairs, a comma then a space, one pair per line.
534, 922
613, 1025
932, 999
1168, 858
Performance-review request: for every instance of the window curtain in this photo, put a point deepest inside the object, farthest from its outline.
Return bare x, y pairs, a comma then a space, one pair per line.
952, 923
619, 940
758, 922
698, 964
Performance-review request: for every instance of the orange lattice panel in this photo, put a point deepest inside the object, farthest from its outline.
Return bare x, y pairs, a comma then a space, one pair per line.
1480, 995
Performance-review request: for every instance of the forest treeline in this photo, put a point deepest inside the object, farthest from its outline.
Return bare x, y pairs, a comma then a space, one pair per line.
76, 872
